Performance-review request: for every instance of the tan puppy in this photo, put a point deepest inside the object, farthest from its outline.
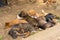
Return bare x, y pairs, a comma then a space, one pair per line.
34, 14
13, 22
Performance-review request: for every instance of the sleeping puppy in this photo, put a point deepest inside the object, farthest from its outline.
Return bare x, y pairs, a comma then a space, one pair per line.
51, 18
42, 23
28, 18
23, 29
18, 20
13, 22
49, 15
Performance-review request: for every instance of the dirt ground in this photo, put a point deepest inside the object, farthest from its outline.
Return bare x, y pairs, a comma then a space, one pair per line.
8, 13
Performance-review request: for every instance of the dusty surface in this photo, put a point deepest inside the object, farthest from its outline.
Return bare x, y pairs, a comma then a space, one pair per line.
9, 13
48, 34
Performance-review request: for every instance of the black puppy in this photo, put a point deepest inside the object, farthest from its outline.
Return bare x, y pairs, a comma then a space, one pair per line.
49, 18
42, 23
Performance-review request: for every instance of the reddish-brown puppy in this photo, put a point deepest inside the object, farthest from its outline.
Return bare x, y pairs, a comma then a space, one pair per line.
13, 22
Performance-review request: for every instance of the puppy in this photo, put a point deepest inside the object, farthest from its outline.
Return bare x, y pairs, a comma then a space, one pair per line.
42, 23
28, 18
13, 22
23, 29
51, 18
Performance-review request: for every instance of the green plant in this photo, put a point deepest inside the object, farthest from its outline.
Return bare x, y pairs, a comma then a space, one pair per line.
1, 37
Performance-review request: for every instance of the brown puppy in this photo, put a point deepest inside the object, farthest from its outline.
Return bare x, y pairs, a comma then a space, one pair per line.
13, 22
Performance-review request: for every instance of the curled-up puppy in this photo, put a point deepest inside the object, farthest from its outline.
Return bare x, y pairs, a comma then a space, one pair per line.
28, 18
23, 29
42, 23
18, 20
51, 18
13, 22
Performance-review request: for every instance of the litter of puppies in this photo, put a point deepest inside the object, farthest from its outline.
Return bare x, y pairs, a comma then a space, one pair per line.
28, 22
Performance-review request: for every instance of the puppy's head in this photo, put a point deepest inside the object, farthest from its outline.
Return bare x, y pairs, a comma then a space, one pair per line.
23, 14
